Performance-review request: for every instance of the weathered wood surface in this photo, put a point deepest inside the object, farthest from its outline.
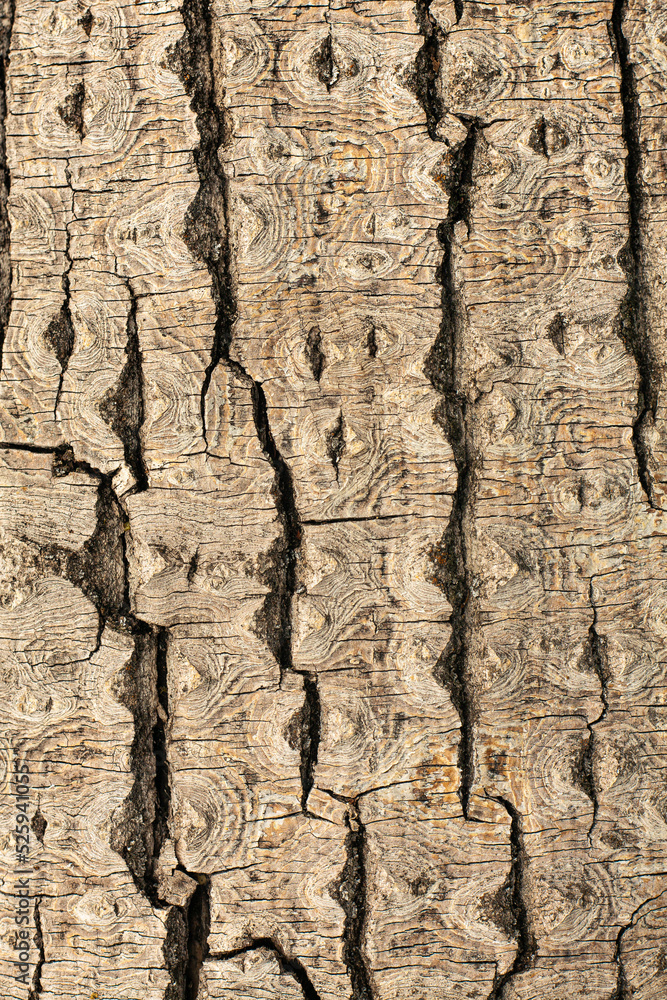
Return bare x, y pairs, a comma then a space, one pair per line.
333, 577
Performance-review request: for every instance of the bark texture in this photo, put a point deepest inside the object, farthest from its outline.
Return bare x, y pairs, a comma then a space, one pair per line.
333, 486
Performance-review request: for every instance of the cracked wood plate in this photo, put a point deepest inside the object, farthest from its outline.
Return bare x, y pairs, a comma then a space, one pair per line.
333, 572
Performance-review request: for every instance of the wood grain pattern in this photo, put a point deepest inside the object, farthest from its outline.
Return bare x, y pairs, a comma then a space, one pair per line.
332, 562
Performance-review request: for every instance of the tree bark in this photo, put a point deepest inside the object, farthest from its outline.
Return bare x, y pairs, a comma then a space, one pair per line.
333, 451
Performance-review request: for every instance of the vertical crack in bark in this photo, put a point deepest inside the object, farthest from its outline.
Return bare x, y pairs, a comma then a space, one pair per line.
350, 894
427, 67
455, 415
597, 659
335, 440
457, 419
308, 739
7, 10
324, 63
36, 988
198, 920
526, 950
140, 824
207, 219
624, 990
123, 407
291, 966
59, 334
208, 226
633, 321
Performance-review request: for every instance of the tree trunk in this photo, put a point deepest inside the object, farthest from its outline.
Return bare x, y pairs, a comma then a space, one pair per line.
333, 455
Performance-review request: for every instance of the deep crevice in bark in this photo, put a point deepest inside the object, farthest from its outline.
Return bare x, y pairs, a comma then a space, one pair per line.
314, 353
207, 219
427, 67
139, 827
456, 418
59, 334
6, 25
309, 736
291, 966
597, 659
36, 987
207, 226
198, 922
123, 407
624, 990
526, 950
350, 893
632, 321
100, 569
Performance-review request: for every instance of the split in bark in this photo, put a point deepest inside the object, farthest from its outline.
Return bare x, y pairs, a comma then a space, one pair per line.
596, 657
291, 966
6, 26
123, 407
526, 950
207, 226
36, 988
633, 321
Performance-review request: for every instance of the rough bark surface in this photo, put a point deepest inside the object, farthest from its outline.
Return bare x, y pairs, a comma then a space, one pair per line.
333, 451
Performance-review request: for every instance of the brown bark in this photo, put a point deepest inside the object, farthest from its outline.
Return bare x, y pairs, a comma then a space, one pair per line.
333, 583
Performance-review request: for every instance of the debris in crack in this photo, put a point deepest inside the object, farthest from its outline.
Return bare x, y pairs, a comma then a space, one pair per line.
335, 439
526, 949
36, 988
198, 920
633, 325
350, 894
596, 658
456, 417
123, 407
291, 966
314, 353
6, 26
71, 110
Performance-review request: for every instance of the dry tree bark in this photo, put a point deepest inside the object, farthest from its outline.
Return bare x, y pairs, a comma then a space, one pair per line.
333, 573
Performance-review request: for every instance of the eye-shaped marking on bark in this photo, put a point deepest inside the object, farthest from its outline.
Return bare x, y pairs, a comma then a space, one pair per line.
371, 340
335, 439
314, 353
548, 137
71, 110
87, 22
556, 332
38, 824
324, 64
